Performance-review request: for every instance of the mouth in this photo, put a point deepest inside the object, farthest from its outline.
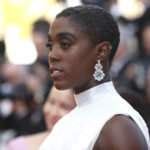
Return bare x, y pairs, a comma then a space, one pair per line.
55, 72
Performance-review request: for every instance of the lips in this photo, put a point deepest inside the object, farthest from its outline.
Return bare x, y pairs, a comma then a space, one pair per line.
55, 72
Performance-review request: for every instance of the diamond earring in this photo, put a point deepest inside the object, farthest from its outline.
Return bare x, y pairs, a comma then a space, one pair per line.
98, 74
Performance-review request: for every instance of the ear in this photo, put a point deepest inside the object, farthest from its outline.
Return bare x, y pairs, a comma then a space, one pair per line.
103, 50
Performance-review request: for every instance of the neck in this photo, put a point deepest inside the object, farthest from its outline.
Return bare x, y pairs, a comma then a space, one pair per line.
91, 84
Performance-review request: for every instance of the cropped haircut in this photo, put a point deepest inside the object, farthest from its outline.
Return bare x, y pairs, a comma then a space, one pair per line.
95, 22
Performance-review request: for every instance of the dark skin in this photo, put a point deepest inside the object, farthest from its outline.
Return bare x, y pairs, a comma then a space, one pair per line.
72, 53
121, 133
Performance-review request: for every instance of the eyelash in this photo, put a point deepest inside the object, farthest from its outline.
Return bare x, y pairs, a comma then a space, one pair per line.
49, 45
65, 45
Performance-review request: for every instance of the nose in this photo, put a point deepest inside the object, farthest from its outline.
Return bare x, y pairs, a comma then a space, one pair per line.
53, 55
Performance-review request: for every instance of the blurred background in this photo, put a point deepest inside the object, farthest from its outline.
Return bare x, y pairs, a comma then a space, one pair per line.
24, 70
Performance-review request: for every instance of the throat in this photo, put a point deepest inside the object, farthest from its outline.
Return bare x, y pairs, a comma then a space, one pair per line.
91, 84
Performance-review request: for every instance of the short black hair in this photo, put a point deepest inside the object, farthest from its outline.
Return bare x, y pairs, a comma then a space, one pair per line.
96, 22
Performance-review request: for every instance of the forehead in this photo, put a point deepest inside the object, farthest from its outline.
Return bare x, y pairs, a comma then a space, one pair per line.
63, 27
63, 24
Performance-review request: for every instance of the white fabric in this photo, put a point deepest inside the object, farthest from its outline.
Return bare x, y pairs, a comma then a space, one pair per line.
80, 129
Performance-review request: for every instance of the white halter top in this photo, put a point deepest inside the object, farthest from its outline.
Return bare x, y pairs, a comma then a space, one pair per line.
80, 129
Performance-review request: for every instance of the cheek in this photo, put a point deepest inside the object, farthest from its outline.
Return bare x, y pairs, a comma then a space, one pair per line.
47, 110
82, 71
80, 63
63, 113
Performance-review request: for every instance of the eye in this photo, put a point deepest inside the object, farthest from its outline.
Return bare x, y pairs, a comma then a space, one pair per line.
65, 45
49, 45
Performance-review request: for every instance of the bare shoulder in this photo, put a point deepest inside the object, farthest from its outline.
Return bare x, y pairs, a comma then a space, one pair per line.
121, 133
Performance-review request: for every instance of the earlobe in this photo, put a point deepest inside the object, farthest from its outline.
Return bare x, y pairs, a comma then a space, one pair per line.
103, 50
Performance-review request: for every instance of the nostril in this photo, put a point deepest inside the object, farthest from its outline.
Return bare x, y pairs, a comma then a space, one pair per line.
52, 60
53, 56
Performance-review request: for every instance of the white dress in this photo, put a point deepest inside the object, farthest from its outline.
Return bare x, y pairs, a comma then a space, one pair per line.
80, 129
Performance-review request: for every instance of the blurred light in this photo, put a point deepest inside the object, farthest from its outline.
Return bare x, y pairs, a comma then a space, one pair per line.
1, 21
71, 3
131, 9
54, 10
17, 2
6, 107
37, 7
16, 19
19, 51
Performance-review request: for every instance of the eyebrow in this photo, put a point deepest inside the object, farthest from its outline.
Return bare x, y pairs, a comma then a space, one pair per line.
63, 34
66, 34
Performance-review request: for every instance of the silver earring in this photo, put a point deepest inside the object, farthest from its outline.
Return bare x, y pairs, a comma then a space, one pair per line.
98, 74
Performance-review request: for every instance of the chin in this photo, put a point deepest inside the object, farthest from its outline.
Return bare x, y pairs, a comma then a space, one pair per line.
62, 86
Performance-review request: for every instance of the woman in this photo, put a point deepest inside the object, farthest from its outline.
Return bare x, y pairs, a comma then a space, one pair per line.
83, 41
58, 104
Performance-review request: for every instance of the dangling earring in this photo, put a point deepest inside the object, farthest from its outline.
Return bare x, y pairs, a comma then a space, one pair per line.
98, 74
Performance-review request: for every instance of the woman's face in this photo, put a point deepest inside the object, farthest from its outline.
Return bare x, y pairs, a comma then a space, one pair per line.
71, 57
58, 104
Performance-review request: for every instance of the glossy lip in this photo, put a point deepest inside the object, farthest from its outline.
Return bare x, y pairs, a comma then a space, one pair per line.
55, 72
